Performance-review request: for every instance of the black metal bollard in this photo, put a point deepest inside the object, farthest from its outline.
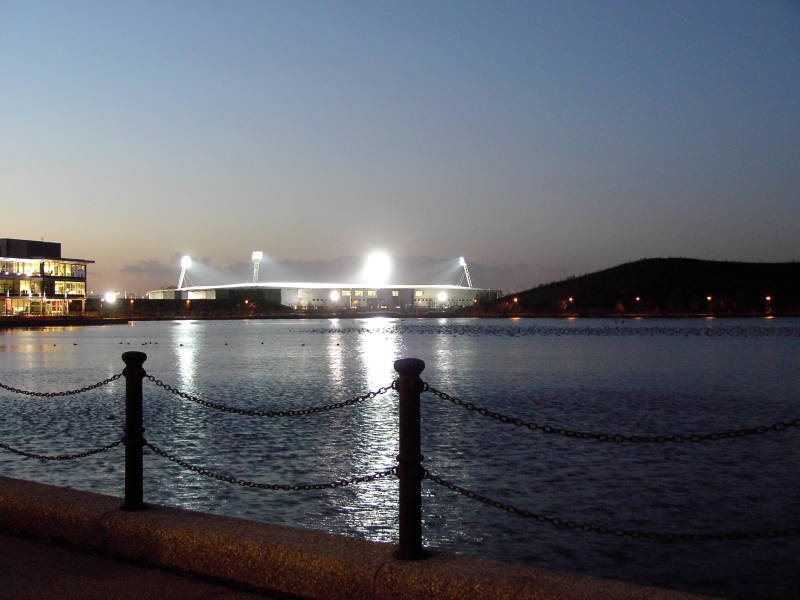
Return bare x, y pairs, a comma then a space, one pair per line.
134, 430
409, 468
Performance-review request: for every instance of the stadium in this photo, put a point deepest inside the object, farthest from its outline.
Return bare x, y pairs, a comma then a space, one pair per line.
372, 293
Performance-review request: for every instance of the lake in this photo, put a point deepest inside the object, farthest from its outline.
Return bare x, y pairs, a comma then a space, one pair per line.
631, 377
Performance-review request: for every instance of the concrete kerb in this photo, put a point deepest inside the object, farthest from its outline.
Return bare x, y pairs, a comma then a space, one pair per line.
293, 561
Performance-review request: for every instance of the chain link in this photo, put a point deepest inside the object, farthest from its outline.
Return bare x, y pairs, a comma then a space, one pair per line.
615, 437
58, 457
82, 390
616, 531
281, 487
271, 413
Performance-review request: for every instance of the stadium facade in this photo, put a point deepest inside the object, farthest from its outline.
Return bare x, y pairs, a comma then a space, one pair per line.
336, 296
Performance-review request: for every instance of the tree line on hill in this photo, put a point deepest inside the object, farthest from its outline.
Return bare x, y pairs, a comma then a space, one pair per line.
667, 286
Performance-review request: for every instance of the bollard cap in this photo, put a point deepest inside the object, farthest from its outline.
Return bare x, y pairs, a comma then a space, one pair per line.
409, 366
134, 358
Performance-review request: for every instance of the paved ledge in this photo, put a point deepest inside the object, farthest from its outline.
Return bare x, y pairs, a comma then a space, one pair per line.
298, 562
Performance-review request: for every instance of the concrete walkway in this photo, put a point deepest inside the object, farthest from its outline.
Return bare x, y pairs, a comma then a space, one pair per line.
295, 562
32, 570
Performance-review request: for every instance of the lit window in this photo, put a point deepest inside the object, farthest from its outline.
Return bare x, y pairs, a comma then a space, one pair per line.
395, 293
418, 293
372, 293
358, 293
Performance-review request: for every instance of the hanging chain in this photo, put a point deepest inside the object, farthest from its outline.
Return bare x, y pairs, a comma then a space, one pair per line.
270, 486
58, 457
615, 437
616, 531
271, 413
82, 390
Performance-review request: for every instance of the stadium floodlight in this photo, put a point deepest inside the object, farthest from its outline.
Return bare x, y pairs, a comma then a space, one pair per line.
110, 297
186, 262
442, 297
377, 268
256, 257
462, 262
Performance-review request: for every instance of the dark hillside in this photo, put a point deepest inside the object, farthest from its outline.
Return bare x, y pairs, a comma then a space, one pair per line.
669, 286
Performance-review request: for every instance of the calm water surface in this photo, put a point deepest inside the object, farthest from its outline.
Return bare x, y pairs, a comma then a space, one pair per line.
631, 377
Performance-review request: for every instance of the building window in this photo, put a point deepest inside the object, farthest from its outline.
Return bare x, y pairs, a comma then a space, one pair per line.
418, 293
395, 293
358, 293
71, 288
372, 293
345, 292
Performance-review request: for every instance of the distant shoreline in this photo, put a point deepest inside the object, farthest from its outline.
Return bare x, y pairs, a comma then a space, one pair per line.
81, 321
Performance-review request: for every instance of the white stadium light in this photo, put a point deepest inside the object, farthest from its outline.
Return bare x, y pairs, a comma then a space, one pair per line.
110, 297
257, 256
186, 262
335, 296
377, 268
462, 262
442, 297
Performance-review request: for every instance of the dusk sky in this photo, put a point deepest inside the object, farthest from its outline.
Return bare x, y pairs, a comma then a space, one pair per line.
538, 139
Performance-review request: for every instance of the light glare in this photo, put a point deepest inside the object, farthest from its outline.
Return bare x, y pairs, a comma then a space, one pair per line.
377, 268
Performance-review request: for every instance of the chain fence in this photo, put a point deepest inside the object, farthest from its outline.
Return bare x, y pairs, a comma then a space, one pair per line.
393, 471
614, 437
282, 487
271, 413
82, 390
615, 531
59, 457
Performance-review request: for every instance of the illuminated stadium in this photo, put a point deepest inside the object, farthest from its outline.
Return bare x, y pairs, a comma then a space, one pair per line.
371, 293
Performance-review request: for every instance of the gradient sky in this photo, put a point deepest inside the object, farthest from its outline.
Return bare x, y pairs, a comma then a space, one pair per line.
539, 139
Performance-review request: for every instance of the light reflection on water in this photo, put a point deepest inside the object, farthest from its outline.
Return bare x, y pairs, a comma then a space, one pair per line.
335, 357
374, 431
186, 354
444, 355
643, 377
